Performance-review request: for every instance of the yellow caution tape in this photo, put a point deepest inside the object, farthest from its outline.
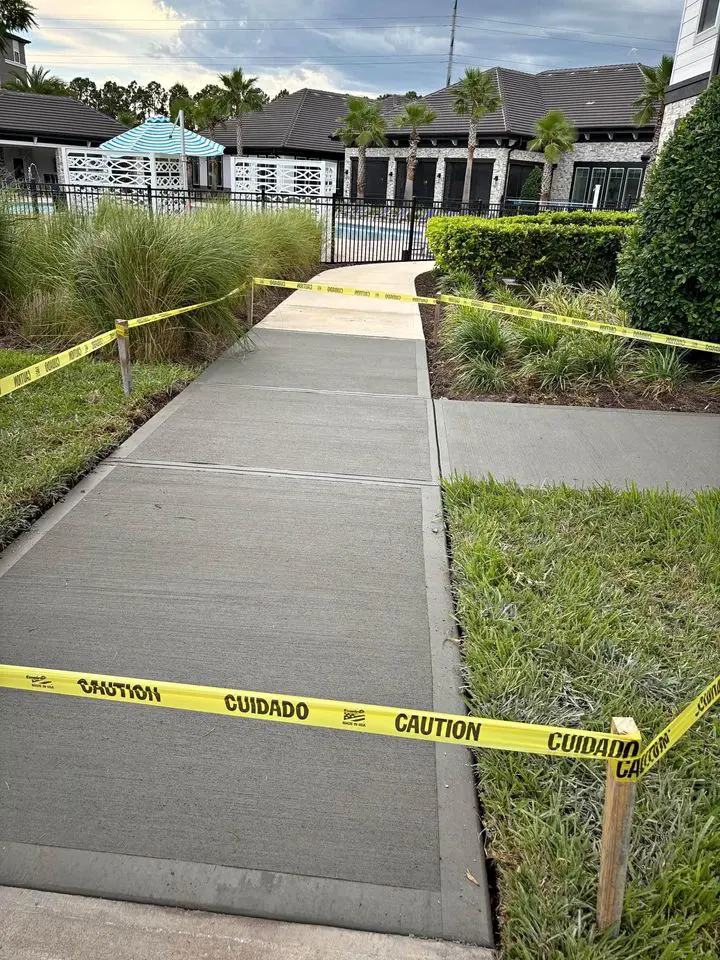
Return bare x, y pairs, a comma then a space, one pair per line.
622, 751
15, 381
636, 768
152, 317
332, 714
613, 329
346, 291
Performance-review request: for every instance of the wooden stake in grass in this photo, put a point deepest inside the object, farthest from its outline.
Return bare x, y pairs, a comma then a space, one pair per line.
436, 322
617, 823
250, 303
123, 342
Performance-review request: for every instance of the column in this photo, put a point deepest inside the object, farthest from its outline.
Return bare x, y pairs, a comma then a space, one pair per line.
439, 179
391, 175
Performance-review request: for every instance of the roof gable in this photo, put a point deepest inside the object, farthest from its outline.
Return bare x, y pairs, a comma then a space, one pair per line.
304, 120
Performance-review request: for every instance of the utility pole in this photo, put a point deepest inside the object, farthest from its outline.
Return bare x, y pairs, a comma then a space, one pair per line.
452, 43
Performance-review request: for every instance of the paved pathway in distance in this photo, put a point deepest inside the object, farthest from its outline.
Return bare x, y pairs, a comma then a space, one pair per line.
537, 444
277, 527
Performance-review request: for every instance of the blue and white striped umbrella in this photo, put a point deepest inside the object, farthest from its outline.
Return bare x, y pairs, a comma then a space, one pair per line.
161, 136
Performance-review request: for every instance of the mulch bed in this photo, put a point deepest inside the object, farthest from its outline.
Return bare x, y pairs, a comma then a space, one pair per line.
622, 396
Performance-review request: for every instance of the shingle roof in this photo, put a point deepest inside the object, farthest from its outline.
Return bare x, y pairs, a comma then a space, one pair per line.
304, 120
592, 97
54, 118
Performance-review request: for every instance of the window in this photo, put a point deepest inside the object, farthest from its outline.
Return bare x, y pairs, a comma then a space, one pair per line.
195, 171
633, 180
614, 186
579, 190
16, 50
18, 168
708, 15
597, 180
619, 185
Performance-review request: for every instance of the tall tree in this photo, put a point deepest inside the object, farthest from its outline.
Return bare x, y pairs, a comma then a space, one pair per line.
413, 115
203, 114
239, 96
282, 93
209, 90
176, 91
85, 90
651, 103
157, 97
554, 136
16, 15
475, 96
112, 98
362, 127
37, 80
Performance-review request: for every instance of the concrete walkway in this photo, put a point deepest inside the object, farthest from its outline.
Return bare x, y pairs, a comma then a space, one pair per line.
536, 444
277, 527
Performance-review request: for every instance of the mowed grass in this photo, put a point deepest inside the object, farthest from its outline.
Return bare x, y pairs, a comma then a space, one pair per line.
54, 430
577, 607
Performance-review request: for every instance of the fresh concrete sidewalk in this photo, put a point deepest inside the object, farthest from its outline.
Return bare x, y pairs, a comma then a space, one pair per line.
278, 528
536, 444
38, 926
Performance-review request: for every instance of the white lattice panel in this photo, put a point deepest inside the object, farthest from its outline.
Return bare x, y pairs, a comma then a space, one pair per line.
296, 178
97, 168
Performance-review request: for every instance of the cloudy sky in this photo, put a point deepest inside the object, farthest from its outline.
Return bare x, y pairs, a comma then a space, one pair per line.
378, 46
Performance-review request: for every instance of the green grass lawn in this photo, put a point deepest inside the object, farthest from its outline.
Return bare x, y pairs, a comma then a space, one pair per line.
54, 430
576, 607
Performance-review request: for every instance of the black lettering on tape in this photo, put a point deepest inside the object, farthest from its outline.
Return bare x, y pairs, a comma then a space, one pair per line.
111, 688
20, 379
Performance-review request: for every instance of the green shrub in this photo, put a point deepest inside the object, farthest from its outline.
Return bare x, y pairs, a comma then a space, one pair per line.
669, 273
470, 333
531, 188
530, 249
589, 218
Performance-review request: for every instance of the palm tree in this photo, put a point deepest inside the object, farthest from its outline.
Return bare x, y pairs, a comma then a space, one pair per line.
475, 96
37, 80
361, 127
240, 96
651, 103
554, 136
16, 15
414, 115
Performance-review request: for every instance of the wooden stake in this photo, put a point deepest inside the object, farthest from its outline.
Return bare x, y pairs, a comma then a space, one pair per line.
123, 342
617, 823
436, 324
250, 303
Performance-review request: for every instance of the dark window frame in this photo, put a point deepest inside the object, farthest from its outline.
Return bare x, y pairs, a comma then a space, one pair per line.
607, 166
703, 24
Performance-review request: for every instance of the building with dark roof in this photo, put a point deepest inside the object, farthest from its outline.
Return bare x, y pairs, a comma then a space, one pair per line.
697, 60
12, 56
598, 100
33, 126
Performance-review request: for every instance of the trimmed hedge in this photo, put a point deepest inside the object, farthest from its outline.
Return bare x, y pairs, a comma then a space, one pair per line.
669, 273
582, 247
589, 218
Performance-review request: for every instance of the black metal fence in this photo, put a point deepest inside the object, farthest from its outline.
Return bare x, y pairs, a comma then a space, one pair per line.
354, 231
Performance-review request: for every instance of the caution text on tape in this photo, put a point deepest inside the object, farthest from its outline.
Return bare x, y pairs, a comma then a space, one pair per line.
623, 752
333, 714
15, 381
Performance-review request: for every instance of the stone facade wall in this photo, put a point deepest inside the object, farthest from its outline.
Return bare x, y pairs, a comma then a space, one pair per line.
585, 152
594, 152
674, 112
499, 156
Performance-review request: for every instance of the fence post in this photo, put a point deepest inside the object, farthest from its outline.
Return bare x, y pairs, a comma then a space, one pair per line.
407, 254
123, 343
250, 303
332, 229
615, 843
263, 190
149, 198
